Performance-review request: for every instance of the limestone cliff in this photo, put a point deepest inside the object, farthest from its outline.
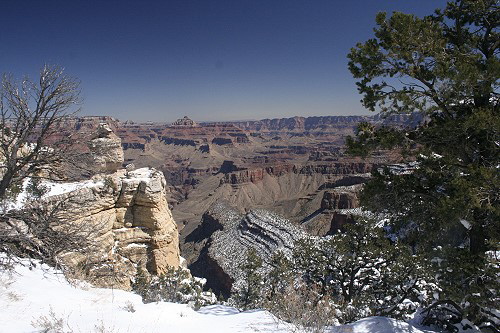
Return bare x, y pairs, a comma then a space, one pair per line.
125, 214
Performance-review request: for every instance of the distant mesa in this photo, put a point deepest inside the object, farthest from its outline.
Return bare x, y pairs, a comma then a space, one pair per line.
184, 122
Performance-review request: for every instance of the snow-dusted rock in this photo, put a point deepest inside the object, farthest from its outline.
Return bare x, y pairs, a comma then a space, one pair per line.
131, 219
231, 234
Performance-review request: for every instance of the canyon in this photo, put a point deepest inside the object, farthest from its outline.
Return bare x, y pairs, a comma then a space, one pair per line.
295, 168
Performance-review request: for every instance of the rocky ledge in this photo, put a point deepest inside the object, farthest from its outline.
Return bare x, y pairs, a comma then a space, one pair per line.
256, 175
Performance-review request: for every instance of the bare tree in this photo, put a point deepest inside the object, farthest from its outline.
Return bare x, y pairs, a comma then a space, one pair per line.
39, 231
31, 117
33, 145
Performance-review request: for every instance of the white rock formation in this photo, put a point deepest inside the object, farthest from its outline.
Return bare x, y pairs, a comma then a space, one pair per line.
125, 212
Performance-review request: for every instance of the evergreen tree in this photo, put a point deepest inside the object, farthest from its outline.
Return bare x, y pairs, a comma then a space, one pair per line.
446, 67
141, 285
175, 285
249, 294
280, 276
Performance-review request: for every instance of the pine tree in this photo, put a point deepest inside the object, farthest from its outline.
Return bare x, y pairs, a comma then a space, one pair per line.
249, 294
363, 273
280, 276
446, 67
141, 285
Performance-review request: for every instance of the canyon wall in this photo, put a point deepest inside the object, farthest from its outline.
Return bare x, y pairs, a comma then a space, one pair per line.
131, 224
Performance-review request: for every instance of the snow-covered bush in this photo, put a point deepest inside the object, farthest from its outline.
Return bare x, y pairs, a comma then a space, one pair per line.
279, 291
361, 273
51, 323
176, 285
303, 306
470, 295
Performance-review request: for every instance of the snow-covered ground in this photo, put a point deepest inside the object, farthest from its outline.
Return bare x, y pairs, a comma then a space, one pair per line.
31, 299
52, 188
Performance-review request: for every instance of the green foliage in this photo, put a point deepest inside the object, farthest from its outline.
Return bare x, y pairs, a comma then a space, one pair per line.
428, 64
35, 188
249, 294
142, 284
12, 192
280, 275
288, 297
339, 279
445, 66
470, 286
175, 285
368, 138
364, 274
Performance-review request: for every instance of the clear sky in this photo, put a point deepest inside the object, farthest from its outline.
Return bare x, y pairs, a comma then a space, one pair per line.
147, 60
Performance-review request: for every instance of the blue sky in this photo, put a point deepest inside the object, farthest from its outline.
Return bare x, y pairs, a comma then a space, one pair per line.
210, 60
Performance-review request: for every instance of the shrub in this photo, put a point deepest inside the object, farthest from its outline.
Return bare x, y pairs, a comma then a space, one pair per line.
355, 274
250, 292
176, 285
366, 274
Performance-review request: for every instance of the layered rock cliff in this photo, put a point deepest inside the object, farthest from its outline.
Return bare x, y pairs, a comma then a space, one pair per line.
339, 206
322, 122
257, 174
339, 200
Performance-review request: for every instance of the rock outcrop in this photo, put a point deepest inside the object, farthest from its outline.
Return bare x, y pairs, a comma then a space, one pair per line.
124, 213
184, 122
339, 206
105, 150
128, 216
339, 200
